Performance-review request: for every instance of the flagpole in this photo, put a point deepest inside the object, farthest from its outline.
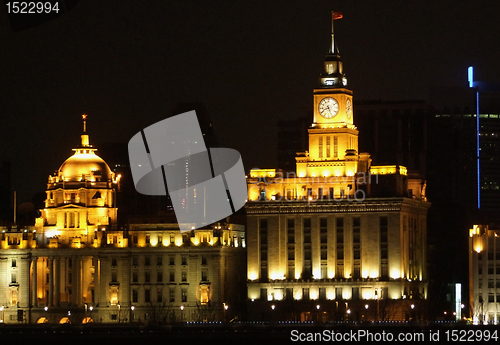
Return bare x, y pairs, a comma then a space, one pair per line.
335, 15
332, 49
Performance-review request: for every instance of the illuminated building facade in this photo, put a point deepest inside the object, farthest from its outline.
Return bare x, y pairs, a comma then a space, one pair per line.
484, 270
340, 238
76, 266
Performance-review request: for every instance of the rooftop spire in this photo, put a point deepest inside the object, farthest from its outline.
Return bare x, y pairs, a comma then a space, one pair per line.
333, 75
85, 137
84, 118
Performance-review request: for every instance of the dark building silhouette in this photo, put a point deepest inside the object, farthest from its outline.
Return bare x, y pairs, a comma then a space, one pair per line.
5, 192
129, 201
292, 138
394, 131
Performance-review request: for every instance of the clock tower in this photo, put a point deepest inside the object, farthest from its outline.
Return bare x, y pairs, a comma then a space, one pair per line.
332, 133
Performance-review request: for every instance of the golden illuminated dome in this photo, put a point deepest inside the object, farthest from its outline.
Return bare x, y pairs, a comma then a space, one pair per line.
85, 165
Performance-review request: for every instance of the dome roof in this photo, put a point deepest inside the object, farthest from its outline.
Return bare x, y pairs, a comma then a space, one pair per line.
85, 163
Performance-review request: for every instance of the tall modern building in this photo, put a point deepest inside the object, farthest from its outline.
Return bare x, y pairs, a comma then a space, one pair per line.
340, 238
76, 266
467, 143
484, 270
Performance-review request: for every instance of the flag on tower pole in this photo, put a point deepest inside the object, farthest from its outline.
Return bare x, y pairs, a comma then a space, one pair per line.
336, 15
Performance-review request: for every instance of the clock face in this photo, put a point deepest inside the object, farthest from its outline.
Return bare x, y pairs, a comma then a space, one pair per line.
328, 107
348, 108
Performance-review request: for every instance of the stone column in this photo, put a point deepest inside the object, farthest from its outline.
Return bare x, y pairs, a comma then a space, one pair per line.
124, 280
103, 299
24, 286
34, 294
97, 280
57, 280
73, 280
3, 287
79, 272
51, 281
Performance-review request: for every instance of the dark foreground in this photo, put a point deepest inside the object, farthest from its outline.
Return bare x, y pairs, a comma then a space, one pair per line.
241, 334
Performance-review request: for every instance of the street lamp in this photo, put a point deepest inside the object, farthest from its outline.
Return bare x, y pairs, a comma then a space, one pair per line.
182, 312
132, 313
225, 309
1, 309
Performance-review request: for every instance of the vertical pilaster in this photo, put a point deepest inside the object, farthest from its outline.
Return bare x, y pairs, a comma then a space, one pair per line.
125, 281
57, 280
102, 286
4, 283
24, 286
73, 280
34, 285
97, 279
78, 273
51, 281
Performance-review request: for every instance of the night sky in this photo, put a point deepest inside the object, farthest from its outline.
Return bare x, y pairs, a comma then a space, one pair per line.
251, 63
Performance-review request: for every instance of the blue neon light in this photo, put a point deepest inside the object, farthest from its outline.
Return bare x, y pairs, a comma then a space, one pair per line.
470, 72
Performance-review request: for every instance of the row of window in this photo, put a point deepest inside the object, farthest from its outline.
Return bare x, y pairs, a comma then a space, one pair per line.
491, 270
148, 293
339, 272
491, 298
491, 256
323, 230
135, 261
491, 284
306, 295
159, 276
159, 260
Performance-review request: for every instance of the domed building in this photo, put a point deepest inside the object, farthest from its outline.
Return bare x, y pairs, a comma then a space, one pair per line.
77, 266
80, 194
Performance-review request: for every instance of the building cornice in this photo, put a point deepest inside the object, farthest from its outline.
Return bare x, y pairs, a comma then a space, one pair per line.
343, 206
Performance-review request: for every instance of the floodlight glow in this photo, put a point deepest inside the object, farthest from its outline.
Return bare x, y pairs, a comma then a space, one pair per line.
470, 72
